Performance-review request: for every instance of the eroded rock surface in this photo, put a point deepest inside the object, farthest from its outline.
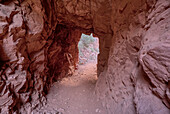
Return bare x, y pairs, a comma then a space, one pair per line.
137, 77
38, 45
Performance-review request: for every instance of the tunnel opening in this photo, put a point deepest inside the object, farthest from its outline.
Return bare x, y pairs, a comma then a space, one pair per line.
88, 49
75, 93
68, 49
39, 45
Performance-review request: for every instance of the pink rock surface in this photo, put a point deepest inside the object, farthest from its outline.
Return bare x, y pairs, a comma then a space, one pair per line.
38, 45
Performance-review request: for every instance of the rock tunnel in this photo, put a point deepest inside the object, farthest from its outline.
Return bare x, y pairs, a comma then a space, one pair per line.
37, 38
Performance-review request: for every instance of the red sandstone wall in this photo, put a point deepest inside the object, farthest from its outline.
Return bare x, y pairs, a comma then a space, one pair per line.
137, 77
36, 36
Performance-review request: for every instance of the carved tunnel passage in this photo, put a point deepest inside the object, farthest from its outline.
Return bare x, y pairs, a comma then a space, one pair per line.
38, 36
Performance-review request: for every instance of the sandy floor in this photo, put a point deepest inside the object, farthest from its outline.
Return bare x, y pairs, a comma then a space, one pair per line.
75, 95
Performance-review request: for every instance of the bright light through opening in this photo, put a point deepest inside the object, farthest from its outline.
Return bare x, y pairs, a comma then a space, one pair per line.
88, 49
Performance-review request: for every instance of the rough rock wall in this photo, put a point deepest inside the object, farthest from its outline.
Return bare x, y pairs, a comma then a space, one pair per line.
23, 37
137, 77
133, 64
35, 51
63, 52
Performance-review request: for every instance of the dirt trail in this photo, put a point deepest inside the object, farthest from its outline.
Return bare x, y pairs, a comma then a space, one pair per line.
75, 95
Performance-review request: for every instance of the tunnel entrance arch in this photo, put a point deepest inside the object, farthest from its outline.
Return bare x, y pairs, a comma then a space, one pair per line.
75, 93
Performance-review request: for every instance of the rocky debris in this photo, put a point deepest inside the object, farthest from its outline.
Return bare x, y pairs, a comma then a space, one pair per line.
38, 45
